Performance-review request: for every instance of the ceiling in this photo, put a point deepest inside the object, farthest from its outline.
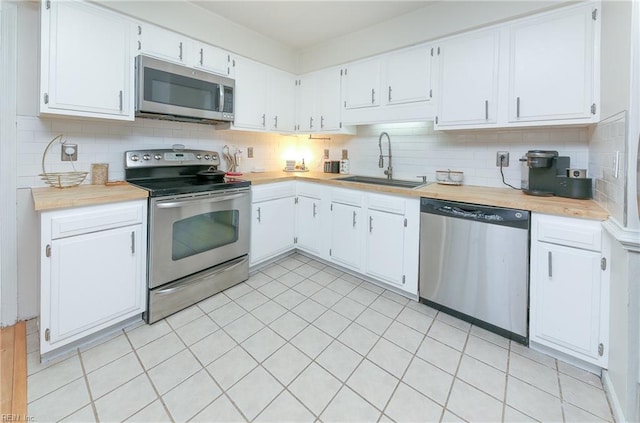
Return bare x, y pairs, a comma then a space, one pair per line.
302, 24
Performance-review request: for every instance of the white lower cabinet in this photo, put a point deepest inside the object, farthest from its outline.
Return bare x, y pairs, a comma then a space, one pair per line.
346, 235
375, 235
569, 288
272, 221
310, 218
93, 270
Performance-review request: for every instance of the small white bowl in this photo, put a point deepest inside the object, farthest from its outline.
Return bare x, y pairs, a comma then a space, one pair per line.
449, 177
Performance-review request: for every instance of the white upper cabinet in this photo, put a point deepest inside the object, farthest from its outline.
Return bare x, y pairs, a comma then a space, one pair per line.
408, 75
361, 84
468, 80
282, 101
540, 70
86, 61
552, 66
163, 44
251, 94
211, 59
318, 106
265, 97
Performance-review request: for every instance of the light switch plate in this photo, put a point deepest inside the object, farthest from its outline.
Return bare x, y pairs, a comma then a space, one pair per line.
250, 152
69, 152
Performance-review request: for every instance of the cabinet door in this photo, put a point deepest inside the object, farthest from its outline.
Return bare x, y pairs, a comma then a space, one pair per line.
306, 118
362, 84
161, 43
95, 278
469, 80
552, 66
272, 228
282, 101
385, 247
251, 94
328, 99
309, 224
86, 64
346, 234
409, 75
565, 296
212, 59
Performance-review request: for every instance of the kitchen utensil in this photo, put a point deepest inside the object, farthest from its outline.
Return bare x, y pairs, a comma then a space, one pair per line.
211, 174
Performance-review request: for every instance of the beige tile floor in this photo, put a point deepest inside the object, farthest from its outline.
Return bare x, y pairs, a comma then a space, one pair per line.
300, 341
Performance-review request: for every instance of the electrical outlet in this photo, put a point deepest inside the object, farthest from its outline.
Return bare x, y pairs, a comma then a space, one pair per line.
69, 152
345, 154
250, 152
326, 153
504, 157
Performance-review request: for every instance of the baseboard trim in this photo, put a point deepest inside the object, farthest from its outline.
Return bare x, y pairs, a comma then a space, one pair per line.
614, 402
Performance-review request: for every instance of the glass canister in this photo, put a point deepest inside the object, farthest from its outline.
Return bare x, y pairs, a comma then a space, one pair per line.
99, 173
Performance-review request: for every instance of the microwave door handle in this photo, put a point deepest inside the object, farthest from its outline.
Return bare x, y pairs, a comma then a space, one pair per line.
181, 203
221, 104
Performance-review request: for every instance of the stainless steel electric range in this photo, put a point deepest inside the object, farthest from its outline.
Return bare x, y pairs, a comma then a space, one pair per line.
199, 224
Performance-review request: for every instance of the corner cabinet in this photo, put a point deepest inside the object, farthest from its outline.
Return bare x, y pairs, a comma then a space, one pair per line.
86, 65
272, 220
93, 270
569, 288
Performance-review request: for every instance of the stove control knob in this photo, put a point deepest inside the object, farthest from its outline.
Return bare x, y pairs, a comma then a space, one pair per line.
135, 158
146, 157
199, 156
157, 156
206, 157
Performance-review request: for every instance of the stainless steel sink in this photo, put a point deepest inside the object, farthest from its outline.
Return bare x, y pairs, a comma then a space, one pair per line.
381, 181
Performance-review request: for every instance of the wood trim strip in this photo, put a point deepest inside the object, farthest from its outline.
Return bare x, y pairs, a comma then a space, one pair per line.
13, 371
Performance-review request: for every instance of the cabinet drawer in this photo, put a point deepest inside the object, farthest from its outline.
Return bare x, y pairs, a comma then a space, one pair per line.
272, 191
386, 203
95, 218
309, 189
572, 232
347, 196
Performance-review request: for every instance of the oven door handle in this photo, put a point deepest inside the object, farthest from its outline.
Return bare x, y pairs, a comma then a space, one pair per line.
174, 204
183, 285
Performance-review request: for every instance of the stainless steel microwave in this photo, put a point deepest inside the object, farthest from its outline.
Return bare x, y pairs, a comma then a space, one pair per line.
169, 91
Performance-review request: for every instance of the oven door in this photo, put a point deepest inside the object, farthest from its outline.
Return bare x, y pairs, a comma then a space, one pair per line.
193, 232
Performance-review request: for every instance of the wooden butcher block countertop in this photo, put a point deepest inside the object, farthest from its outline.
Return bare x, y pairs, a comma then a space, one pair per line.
84, 195
500, 197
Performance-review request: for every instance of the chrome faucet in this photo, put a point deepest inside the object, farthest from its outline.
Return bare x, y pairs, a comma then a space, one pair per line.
389, 170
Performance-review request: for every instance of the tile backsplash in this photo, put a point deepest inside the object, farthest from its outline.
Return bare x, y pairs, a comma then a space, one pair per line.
608, 149
416, 148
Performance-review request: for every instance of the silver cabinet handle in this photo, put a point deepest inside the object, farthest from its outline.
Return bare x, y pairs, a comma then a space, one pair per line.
389, 93
321, 122
275, 122
354, 219
550, 259
139, 30
120, 99
139, 45
180, 56
264, 119
517, 107
315, 209
258, 211
370, 224
201, 59
311, 122
486, 109
133, 242
373, 96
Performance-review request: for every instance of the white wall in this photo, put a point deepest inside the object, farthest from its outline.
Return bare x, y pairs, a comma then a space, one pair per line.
189, 19
437, 20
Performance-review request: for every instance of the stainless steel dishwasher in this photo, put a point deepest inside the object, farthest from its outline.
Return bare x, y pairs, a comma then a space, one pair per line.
474, 264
